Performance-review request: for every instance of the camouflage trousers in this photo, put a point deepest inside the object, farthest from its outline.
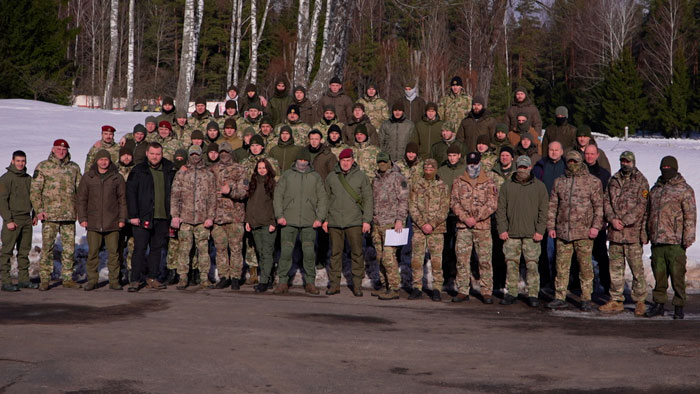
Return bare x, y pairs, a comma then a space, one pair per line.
386, 256
250, 257
126, 242
512, 249
468, 239
669, 260
49, 231
198, 234
584, 253
633, 253
434, 243
228, 239
173, 254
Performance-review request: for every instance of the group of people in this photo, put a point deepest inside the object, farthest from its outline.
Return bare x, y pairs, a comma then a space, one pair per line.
310, 187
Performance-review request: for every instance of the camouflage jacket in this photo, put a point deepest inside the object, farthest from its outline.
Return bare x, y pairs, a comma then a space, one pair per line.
223, 119
454, 107
170, 146
152, 137
193, 194
124, 171
499, 175
112, 148
55, 188
413, 173
337, 148
300, 131
366, 158
488, 160
200, 122
230, 208
626, 199
672, 213
477, 198
429, 203
376, 109
575, 205
179, 131
390, 192
251, 161
323, 126
269, 140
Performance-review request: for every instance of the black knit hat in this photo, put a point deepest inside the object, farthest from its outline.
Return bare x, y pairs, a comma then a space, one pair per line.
456, 81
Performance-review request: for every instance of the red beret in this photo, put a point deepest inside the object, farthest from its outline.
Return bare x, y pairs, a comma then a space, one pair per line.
108, 128
165, 123
62, 143
347, 152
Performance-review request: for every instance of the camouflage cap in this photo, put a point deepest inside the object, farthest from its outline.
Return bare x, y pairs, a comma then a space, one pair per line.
151, 119
383, 157
197, 135
102, 154
225, 147
523, 161
195, 150
448, 125
431, 162
573, 155
627, 155
248, 131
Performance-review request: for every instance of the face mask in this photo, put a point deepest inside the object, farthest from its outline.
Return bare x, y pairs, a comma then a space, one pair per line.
573, 166
522, 174
560, 121
524, 127
383, 166
473, 170
668, 173
195, 159
302, 165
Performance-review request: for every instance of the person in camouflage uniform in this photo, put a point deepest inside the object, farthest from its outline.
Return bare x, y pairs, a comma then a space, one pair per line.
54, 195
365, 153
211, 154
625, 211
455, 105
230, 112
334, 140
359, 118
488, 156
252, 118
574, 219
212, 134
231, 191
439, 149
300, 204
521, 222
107, 143
17, 222
300, 130
167, 110
172, 256
500, 137
230, 134
180, 125
411, 165
267, 132
126, 239
376, 107
671, 229
504, 168
167, 140
151, 129
390, 193
193, 209
473, 200
328, 119
429, 205
201, 116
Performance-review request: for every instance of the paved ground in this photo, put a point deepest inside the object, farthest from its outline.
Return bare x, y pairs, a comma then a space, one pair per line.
220, 341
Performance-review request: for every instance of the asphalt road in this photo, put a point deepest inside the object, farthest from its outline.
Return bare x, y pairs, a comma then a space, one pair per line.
212, 341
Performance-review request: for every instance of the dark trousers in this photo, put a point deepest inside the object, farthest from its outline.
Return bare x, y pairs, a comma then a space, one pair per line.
449, 258
153, 239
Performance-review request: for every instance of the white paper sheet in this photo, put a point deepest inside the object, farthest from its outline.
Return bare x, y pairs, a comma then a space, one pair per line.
396, 239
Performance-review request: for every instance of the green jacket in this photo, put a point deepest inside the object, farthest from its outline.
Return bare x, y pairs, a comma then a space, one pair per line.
522, 208
448, 173
300, 198
15, 205
428, 132
439, 150
343, 210
285, 153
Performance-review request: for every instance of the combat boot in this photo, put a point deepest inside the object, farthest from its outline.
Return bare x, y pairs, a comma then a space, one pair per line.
235, 284
90, 286
253, 278
640, 309
310, 288
223, 283
70, 284
28, 285
435, 296
586, 306
194, 277
533, 301
153, 284
487, 299
44, 286
655, 310
508, 300
115, 286
357, 291
460, 297
558, 304
281, 288
171, 278
134, 287
678, 313
261, 287
9, 287
612, 307
182, 284
389, 295
334, 289
378, 292
416, 293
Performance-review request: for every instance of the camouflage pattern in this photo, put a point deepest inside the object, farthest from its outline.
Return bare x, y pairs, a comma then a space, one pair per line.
500, 175
434, 243
477, 198
55, 187
112, 148
152, 137
236, 118
454, 107
124, 171
480, 240
179, 131
429, 203
390, 192
376, 109
339, 147
269, 140
626, 199
173, 254
324, 125
412, 174
249, 122
672, 213
669, 260
49, 231
200, 122
170, 146
366, 157
575, 205
300, 131
230, 208
512, 249
193, 194
251, 161
618, 252
228, 239
584, 252
199, 235
488, 160
386, 255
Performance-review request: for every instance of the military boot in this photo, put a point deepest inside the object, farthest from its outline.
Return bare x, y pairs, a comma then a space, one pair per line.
390, 295
378, 292
223, 283
281, 288
235, 283
461, 297
435, 296
416, 293
195, 277
9, 287
640, 309
612, 307
90, 286
508, 300
70, 284
261, 287
171, 278
253, 278
678, 313
655, 310
44, 286
558, 304
182, 284
310, 288
334, 289
28, 285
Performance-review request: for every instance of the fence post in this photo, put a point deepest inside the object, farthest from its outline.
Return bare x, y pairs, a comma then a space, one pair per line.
627, 130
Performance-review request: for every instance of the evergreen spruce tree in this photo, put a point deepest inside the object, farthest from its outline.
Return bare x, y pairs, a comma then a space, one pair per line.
674, 110
500, 94
622, 98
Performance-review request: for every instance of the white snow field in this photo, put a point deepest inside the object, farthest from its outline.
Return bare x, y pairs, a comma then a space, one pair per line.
32, 126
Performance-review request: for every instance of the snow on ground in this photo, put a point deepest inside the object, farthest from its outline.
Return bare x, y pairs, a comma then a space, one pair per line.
32, 126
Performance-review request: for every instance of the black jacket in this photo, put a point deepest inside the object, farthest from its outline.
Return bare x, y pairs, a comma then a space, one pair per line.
139, 190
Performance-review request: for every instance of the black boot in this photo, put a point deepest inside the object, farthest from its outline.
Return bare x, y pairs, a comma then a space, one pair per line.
261, 287
171, 277
656, 310
223, 283
678, 313
195, 276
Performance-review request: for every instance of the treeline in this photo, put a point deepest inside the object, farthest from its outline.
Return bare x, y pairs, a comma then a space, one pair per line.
613, 63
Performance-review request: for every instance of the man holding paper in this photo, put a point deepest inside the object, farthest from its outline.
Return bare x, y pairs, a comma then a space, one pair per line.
390, 192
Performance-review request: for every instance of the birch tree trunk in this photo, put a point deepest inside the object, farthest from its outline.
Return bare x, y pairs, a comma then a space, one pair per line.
301, 57
313, 38
232, 43
130, 66
237, 51
194, 43
251, 74
113, 48
184, 82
